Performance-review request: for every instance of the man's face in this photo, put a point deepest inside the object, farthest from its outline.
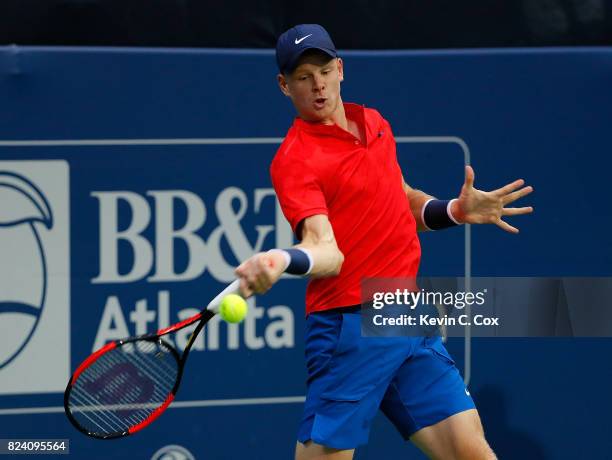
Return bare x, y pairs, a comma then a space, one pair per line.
314, 86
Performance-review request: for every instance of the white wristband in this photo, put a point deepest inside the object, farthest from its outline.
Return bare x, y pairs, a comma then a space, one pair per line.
285, 255
450, 213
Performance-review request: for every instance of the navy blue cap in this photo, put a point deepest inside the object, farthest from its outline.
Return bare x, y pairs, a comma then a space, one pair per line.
295, 41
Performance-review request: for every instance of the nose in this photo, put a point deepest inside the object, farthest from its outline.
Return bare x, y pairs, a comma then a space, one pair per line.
318, 83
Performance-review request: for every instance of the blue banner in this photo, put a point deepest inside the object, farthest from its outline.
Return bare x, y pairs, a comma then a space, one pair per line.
132, 182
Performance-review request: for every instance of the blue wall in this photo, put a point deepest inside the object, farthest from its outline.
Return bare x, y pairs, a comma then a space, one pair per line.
543, 115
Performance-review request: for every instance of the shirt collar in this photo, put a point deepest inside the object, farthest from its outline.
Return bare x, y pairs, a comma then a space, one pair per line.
355, 112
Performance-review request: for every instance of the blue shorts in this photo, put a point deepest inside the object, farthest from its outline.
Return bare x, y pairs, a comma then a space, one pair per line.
413, 380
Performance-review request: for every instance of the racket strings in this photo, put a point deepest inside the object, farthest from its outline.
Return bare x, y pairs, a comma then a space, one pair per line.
123, 387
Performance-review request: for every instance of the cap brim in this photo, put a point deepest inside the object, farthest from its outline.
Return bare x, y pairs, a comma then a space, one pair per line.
292, 64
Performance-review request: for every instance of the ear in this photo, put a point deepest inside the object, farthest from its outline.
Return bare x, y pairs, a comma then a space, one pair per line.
341, 69
282, 84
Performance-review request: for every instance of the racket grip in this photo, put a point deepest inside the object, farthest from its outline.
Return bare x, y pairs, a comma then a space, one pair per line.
233, 288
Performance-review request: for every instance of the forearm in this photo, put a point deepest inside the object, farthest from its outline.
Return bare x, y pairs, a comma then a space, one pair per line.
317, 256
326, 258
417, 200
319, 240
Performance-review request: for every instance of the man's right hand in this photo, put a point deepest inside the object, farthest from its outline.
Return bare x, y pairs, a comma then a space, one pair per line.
258, 273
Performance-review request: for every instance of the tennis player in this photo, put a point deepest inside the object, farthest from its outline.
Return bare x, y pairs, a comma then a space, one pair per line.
340, 187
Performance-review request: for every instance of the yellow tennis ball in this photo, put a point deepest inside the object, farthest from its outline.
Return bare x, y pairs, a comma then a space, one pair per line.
233, 308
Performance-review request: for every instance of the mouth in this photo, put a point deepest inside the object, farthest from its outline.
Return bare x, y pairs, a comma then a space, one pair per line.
319, 103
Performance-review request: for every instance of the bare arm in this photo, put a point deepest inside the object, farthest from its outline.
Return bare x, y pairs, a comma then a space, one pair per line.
318, 237
475, 206
259, 273
417, 200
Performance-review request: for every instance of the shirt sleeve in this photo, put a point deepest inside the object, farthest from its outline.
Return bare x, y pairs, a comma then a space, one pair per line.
386, 129
298, 190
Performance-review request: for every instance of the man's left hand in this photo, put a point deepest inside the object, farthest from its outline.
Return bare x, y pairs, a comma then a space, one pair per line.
478, 207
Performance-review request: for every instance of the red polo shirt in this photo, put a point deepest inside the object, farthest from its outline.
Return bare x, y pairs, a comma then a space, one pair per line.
323, 169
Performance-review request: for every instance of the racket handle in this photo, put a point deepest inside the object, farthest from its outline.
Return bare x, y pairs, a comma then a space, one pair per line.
233, 288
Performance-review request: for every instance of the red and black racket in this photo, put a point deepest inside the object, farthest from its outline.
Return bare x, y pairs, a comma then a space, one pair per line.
127, 384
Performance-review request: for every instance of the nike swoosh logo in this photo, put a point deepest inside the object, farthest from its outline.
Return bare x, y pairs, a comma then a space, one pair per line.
467, 392
297, 42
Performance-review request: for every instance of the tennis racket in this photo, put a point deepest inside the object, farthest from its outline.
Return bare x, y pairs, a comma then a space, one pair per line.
127, 384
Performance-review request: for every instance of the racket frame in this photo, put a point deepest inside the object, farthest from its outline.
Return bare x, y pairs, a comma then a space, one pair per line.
203, 317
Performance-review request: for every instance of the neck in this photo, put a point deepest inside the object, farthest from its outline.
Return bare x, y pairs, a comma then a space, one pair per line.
338, 117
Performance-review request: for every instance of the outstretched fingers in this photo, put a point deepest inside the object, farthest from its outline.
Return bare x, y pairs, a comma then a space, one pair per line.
516, 211
511, 187
510, 197
506, 226
469, 176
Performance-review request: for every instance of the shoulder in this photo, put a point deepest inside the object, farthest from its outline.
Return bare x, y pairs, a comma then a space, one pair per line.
293, 151
374, 116
290, 145
372, 113
376, 123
